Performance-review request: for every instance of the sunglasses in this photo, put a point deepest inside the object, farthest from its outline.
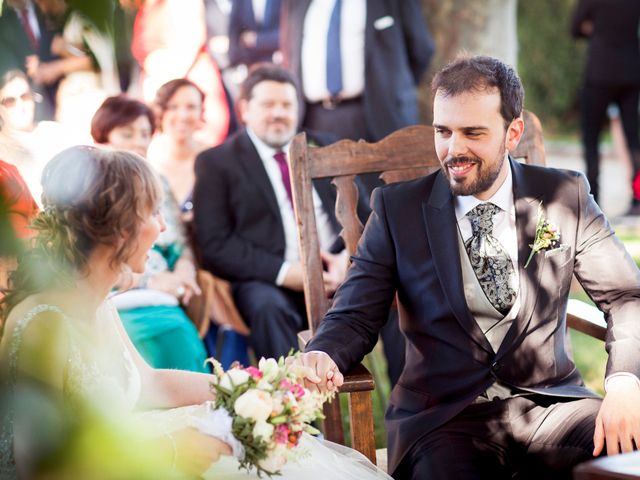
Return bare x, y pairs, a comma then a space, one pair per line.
10, 102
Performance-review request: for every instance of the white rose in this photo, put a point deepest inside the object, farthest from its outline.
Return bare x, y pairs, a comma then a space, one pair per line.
269, 368
264, 385
234, 377
254, 404
263, 430
275, 460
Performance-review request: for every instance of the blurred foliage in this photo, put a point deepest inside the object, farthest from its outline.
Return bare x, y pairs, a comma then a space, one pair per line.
550, 63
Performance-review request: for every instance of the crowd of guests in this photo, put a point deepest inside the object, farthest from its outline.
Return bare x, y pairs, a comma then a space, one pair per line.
176, 108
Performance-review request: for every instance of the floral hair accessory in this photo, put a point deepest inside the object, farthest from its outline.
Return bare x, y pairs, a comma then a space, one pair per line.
547, 236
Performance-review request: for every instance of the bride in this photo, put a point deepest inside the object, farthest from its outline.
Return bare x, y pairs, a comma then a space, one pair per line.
100, 218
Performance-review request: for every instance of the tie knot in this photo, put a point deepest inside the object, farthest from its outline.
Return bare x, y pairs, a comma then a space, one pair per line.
481, 218
280, 157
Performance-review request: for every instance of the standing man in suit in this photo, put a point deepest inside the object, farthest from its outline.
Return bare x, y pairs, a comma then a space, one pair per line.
25, 41
612, 76
359, 62
253, 31
244, 215
489, 389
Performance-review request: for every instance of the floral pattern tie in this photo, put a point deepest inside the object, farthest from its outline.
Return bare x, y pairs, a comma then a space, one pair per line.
491, 263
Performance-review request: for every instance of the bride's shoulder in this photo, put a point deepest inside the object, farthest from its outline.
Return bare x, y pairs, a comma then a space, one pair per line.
32, 317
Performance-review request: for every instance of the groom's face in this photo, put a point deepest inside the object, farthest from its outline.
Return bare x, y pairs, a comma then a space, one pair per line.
471, 141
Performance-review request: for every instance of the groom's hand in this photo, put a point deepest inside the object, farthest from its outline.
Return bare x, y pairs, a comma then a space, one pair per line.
321, 373
618, 421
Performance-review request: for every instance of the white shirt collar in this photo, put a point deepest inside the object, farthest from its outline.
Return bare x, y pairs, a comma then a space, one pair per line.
264, 150
503, 198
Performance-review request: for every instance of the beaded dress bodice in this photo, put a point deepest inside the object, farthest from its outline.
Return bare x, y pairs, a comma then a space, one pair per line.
87, 376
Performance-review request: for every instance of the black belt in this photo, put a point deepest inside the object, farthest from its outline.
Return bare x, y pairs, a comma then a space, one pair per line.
332, 103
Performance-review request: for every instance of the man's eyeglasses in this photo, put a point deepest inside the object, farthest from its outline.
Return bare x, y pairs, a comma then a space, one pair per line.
10, 102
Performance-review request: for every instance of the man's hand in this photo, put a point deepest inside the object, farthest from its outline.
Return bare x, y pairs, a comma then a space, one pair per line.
336, 266
618, 421
293, 278
320, 372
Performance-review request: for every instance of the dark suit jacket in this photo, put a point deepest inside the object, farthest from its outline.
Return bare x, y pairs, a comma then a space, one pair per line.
410, 245
236, 215
395, 59
15, 48
241, 19
614, 50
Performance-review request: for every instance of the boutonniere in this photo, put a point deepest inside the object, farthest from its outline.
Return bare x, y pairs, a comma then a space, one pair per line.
547, 236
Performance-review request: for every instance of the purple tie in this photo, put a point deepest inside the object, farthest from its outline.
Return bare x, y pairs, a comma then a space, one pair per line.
281, 158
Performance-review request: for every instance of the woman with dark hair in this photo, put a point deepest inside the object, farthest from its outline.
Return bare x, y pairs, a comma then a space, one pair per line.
179, 110
151, 312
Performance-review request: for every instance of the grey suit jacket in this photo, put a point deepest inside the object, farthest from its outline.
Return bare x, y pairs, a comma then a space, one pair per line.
410, 245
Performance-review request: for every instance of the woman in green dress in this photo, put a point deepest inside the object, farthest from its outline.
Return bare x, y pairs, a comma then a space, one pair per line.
151, 310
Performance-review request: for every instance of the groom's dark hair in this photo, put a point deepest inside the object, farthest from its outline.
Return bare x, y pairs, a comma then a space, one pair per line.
478, 74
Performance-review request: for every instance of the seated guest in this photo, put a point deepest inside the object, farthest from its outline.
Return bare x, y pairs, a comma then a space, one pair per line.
39, 140
179, 112
17, 208
151, 313
244, 217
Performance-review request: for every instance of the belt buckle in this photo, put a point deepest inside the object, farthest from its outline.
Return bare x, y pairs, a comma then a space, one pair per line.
331, 103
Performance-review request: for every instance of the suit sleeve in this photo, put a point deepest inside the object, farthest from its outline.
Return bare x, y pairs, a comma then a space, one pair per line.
611, 278
419, 44
361, 305
223, 251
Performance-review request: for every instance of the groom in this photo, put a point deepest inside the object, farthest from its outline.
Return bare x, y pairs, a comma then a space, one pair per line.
489, 389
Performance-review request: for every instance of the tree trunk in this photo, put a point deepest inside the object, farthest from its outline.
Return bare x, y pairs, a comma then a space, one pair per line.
486, 27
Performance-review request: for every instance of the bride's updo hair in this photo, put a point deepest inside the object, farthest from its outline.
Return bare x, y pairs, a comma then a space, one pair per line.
91, 197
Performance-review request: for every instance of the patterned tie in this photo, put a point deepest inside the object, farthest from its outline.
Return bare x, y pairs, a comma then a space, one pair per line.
491, 263
281, 158
334, 57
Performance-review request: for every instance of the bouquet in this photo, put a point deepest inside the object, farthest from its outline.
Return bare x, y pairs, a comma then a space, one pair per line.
264, 411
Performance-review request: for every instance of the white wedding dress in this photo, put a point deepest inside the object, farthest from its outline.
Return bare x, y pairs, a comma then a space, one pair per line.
112, 374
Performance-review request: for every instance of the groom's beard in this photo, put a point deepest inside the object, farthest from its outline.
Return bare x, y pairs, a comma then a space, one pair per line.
485, 175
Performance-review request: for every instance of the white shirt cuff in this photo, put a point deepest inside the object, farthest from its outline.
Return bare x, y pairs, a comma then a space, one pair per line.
282, 273
620, 378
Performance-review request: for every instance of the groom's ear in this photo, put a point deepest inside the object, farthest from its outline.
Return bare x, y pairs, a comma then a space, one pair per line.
515, 130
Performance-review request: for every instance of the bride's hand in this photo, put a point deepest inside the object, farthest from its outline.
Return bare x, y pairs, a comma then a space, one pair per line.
195, 451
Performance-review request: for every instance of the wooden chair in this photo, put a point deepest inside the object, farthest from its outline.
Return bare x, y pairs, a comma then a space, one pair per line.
406, 154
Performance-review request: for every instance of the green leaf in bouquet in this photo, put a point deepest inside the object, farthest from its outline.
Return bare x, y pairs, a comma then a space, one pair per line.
280, 419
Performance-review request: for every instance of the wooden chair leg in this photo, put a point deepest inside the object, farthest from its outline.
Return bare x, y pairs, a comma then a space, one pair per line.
332, 424
361, 417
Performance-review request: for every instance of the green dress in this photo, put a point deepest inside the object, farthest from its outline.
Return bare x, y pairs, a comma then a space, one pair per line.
163, 334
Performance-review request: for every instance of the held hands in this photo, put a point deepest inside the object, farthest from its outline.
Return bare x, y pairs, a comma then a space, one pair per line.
181, 282
618, 422
320, 373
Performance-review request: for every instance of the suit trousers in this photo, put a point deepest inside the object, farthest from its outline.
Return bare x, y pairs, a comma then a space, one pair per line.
275, 315
520, 437
595, 100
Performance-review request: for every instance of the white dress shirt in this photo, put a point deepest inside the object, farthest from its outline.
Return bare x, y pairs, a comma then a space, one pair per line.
259, 7
314, 48
326, 235
504, 222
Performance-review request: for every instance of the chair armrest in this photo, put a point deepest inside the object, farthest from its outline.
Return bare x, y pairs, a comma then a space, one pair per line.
199, 308
586, 318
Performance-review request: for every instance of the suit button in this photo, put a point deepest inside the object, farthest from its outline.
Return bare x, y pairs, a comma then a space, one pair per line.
495, 366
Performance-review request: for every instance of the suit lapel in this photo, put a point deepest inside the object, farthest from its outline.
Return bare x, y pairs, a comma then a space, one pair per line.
251, 162
442, 232
527, 198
